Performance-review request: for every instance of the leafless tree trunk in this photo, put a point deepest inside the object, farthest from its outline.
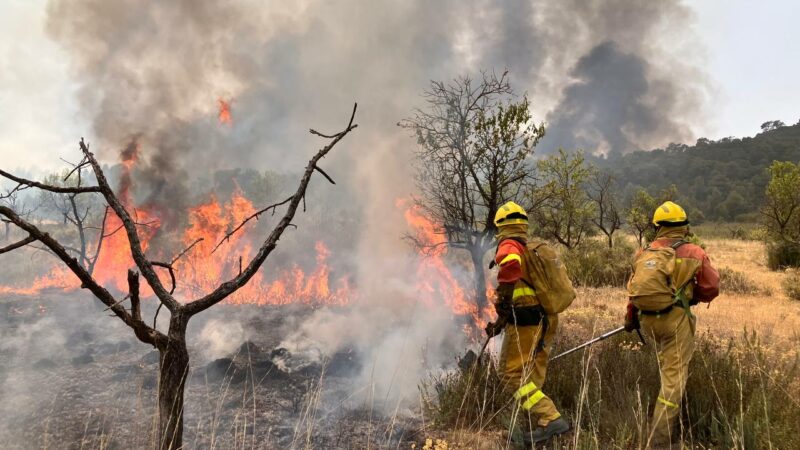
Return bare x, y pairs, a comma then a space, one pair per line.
607, 217
13, 201
174, 357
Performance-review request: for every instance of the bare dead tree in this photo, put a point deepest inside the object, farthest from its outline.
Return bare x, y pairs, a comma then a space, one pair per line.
174, 357
473, 141
601, 190
79, 211
13, 200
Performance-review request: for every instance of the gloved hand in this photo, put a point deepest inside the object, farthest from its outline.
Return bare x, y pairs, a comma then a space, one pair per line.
632, 318
505, 300
494, 328
504, 310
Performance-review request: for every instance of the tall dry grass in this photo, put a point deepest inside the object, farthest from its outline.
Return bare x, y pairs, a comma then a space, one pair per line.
738, 396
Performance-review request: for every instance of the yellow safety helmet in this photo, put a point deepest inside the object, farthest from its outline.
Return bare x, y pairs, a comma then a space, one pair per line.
670, 214
509, 214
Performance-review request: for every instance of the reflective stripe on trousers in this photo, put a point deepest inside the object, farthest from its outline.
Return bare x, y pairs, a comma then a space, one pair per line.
523, 367
535, 393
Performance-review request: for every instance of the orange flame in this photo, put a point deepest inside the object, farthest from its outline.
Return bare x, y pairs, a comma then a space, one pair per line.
199, 271
434, 279
114, 257
224, 113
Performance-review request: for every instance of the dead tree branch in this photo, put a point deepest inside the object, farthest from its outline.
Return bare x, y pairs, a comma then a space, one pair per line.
255, 215
139, 257
324, 174
119, 302
17, 245
133, 291
48, 187
171, 273
175, 259
77, 168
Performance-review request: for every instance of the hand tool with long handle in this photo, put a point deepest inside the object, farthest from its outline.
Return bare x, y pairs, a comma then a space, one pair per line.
602, 337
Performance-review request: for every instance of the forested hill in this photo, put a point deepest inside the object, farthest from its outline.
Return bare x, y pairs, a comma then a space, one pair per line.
725, 179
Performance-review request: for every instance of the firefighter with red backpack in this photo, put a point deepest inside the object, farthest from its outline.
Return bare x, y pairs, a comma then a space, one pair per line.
669, 276
533, 287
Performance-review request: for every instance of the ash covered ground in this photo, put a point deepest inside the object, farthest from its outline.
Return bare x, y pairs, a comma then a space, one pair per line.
72, 377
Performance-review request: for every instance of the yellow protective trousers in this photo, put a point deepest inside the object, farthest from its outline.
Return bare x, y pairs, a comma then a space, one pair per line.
673, 336
523, 366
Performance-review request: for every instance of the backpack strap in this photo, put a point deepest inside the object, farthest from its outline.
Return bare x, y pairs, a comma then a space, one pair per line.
677, 244
680, 296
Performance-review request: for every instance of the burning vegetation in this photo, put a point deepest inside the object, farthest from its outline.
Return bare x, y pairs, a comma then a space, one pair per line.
215, 244
171, 345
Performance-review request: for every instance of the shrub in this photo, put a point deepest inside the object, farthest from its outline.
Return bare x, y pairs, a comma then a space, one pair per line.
791, 285
594, 264
782, 255
733, 281
738, 232
758, 234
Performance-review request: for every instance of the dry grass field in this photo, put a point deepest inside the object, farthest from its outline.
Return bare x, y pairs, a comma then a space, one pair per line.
770, 313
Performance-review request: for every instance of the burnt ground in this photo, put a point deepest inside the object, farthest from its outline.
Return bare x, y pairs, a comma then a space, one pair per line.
71, 377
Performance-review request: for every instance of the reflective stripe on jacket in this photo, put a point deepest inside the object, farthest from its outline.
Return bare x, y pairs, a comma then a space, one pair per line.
509, 258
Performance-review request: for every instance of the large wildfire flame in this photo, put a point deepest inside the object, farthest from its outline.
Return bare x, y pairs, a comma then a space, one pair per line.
200, 271
203, 268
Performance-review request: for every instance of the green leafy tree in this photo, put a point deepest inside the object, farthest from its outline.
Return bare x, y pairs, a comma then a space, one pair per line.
781, 210
710, 171
473, 144
639, 213
772, 125
641, 206
565, 211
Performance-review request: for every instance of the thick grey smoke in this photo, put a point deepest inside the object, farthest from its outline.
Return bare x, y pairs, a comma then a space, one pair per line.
632, 84
609, 108
156, 71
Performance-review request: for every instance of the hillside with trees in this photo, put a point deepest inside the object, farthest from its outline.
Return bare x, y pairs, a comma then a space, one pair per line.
725, 180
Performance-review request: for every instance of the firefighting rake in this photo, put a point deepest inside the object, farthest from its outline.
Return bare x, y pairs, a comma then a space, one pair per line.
602, 337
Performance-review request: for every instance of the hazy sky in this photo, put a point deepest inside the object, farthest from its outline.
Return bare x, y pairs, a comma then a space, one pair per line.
752, 50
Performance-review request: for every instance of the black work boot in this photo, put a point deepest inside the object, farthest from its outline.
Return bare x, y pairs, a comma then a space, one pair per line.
541, 434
